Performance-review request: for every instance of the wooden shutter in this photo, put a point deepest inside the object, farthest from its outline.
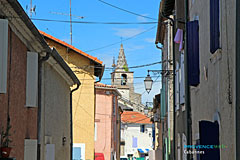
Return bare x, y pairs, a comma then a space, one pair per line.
30, 149
214, 26
182, 81
193, 53
177, 87
32, 79
50, 152
3, 54
163, 100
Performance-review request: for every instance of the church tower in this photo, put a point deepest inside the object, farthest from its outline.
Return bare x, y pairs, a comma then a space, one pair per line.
122, 78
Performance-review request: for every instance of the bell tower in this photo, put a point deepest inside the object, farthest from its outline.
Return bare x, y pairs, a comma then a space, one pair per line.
122, 78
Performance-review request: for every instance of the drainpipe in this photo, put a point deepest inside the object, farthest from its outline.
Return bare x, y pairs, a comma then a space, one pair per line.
187, 89
41, 60
174, 67
71, 122
237, 109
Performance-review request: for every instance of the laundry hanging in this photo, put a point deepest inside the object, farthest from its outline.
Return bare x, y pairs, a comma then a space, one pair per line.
179, 38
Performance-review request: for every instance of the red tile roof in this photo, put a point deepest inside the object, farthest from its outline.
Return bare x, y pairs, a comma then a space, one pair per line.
103, 85
134, 117
71, 47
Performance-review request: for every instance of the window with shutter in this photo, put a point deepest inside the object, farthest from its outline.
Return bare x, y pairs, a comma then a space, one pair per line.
163, 100
193, 53
182, 81
214, 26
177, 87
30, 149
32, 79
3, 54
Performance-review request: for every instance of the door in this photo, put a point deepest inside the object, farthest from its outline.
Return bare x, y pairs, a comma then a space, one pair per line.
209, 135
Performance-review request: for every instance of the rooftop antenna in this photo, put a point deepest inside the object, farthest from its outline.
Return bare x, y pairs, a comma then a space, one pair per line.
71, 20
70, 16
32, 9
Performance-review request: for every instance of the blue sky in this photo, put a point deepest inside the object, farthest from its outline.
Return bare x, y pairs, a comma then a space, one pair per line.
139, 50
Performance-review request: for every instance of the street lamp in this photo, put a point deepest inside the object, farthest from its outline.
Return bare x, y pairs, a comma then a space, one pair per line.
148, 80
148, 83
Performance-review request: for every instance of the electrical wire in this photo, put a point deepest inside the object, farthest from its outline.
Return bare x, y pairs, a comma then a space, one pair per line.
83, 22
119, 42
90, 22
133, 13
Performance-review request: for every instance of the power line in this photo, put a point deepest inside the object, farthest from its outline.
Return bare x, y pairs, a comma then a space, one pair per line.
119, 42
90, 22
136, 14
138, 66
84, 22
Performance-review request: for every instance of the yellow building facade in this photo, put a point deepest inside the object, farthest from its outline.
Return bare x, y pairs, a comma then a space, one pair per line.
86, 68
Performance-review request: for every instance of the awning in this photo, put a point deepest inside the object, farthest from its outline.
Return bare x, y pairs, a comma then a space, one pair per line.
143, 150
140, 150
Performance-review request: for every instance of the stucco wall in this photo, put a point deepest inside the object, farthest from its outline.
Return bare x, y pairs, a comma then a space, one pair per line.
212, 94
83, 98
103, 143
22, 119
55, 111
144, 140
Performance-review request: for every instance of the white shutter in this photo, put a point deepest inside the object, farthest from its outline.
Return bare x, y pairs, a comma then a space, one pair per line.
177, 87
184, 143
182, 83
95, 133
3, 54
30, 149
32, 79
50, 152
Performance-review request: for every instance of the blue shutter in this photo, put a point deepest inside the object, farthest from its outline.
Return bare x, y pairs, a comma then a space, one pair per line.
214, 25
193, 53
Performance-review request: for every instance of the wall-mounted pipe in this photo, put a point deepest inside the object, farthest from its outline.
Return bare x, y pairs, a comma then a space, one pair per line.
40, 62
71, 122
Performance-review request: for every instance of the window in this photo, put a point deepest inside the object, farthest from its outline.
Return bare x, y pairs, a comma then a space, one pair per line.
124, 79
50, 151
30, 149
3, 54
182, 80
32, 79
214, 26
78, 151
193, 53
177, 86
95, 133
134, 142
142, 128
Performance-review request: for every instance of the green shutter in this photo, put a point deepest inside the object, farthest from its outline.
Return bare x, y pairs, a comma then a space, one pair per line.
163, 101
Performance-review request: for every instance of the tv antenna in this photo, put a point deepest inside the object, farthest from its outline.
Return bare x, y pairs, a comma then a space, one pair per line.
32, 9
70, 16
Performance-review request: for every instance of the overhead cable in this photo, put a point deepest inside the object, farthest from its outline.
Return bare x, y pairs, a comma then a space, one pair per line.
136, 14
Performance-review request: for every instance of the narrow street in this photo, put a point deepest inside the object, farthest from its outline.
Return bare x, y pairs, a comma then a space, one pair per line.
119, 80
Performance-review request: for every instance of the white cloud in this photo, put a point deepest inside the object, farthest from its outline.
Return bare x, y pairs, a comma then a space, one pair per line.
127, 32
142, 19
150, 40
134, 48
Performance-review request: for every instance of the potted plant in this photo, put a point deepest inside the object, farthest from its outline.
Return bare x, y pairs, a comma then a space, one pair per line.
5, 141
